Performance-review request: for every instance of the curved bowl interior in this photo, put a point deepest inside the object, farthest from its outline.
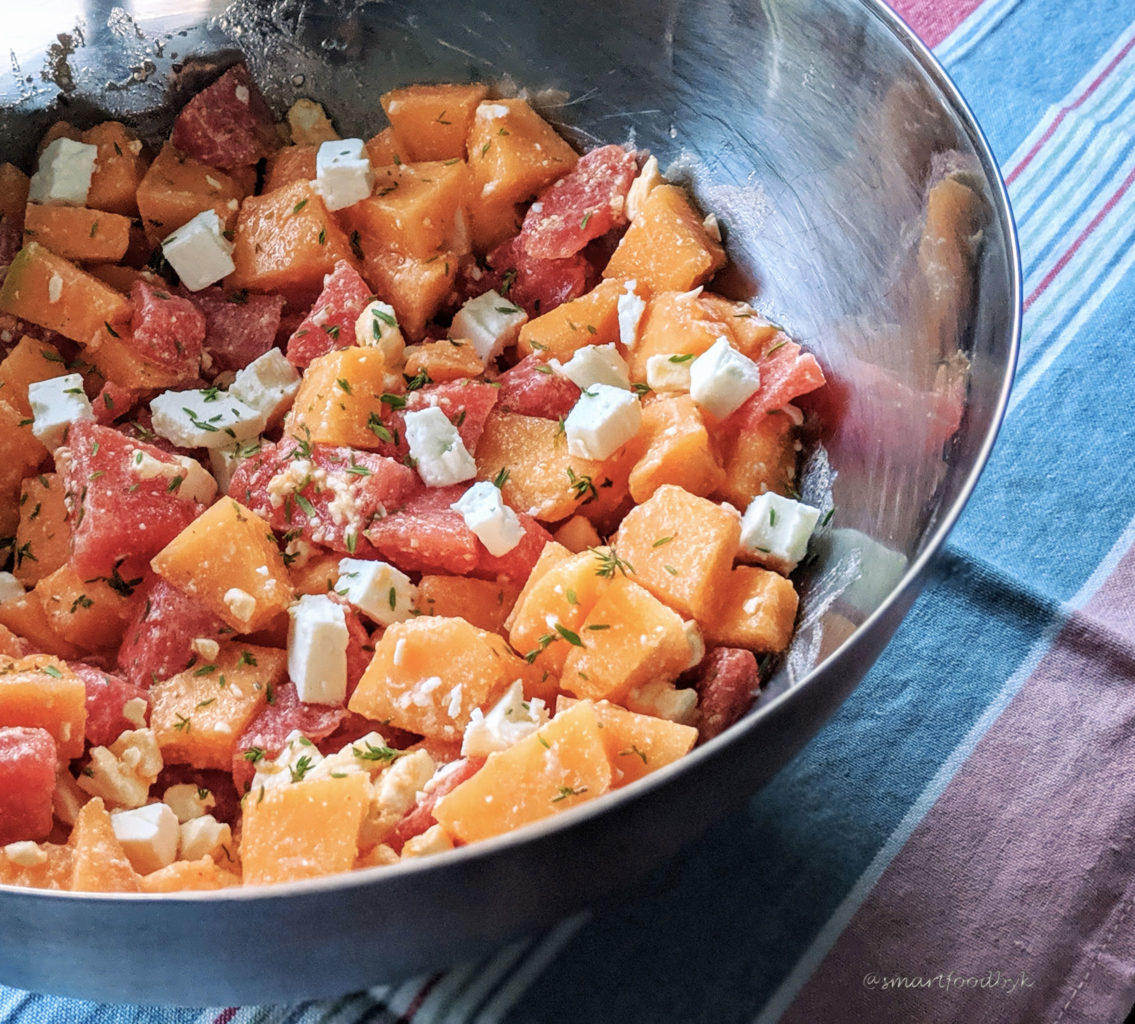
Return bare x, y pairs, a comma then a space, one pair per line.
816, 130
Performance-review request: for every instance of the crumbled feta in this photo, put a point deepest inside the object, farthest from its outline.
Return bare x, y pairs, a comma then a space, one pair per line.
490, 323
436, 446
298, 759
485, 513
199, 251
597, 364
63, 174
25, 854
630, 309
203, 837
240, 603
664, 700
188, 801
378, 590
434, 840
775, 531
317, 649
186, 476
57, 403
135, 710
712, 227
668, 372
695, 640
602, 421
10, 587
149, 836
721, 379
204, 419
268, 384
123, 773
343, 174
377, 327
649, 178
506, 722
309, 123
395, 792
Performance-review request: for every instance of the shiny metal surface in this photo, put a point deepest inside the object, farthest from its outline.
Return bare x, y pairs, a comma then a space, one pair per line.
813, 128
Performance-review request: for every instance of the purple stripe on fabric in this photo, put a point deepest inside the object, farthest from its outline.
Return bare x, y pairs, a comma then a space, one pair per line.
1014, 898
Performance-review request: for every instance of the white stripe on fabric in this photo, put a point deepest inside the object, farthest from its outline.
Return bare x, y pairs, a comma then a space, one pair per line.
973, 30
484, 985
790, 987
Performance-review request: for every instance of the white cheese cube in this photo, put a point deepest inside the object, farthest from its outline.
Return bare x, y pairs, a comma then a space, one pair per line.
378, 590
669, 372
437, 448
185, 476
268, 384
63, 174
224, 461
57, 403
377, 327
602, 421
649, 178
508, 721
203, 837
630, 310
204, 419
199, 251
343, 175
149, 836
597, 364
721, 379
490, 323
317, 649
486, 514
188, 801
10, 587
775, 531
661, 699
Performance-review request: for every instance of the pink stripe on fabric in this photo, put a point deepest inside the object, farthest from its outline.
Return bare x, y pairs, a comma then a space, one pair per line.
226, 1015
1065, 111
934, 20
1013, 901
1061, 263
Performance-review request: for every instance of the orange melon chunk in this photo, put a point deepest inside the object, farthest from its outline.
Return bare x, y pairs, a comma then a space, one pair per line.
24, 615
482, 603
41, 692
417, 288
189, 876
761, 458
176, 188
592, 319
677, 451
43, 532
757, 611
432, 121
78, 233
448, 359
28, 362
339, 398
50, 869
89, 613
98, 862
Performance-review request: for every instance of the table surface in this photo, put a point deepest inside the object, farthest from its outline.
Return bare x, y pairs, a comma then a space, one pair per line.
959, 843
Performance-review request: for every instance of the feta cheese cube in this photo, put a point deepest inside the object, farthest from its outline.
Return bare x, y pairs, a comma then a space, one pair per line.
199, 251
377, 327
668, 372
507, 722
224, 461
486, 514
57, 403
149, 836
661, 699
188, 801
317, 649
343, 174
204, 419
721, 379
597, 364
63, 174
378, 590
10, 587
203, 837
649, 178
185, 476
775, 531
268, 384
630, 309
602, 421
436, 446
490, 323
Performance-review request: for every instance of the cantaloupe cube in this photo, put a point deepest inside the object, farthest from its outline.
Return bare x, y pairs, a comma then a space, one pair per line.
50, 868
592, 319
51, 291
513, 152
432, 121
21, 453
667, 247
757, 611
43, 535
316, 574
25, 616
543, 479
758, 459
429, 673
386, 148
673, 324
416, 288
303, 830
415, 209
199, 714
682, 548
482, 603
189, 876
551, 554
29, 361
77, 232
750, 333
13, 195
228, 559
286, 241
12, 645
41, 692
98, 862
340, 398
112, 351
176, 188
492, 219
120, 166
678, 450
577, 534
288, 165
612, 498
448, 359
559, 767
88, 612
627, 639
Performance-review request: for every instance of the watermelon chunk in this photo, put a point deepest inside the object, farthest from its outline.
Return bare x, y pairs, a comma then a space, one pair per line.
426, 535
239, 326
586, 203
331, 323
531, 391
786, 373
27, 783
227, 124
536, 285
120, 518
107, 694
167, 329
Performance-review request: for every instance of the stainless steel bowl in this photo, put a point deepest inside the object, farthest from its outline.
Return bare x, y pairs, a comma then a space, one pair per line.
814, 128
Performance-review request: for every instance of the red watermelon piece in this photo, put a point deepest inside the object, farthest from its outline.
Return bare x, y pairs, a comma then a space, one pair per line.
239, 326
727, 682
786, 373
227, 124
119, 520
168, 329
107, 694
426, 535
586, 203
530, 388
113, 402
331, 323
537, 285
27, 783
